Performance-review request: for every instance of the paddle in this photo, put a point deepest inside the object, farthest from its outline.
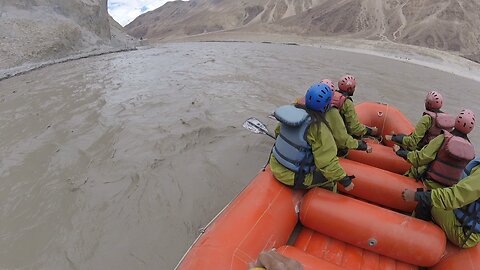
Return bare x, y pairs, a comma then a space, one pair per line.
256, 126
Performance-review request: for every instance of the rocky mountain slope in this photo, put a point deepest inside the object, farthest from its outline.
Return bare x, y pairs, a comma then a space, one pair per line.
33, 31
452, 25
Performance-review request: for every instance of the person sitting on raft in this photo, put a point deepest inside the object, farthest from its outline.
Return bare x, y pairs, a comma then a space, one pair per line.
343, 140
440, 163
342, 100
455, 209
428, 127
305, 154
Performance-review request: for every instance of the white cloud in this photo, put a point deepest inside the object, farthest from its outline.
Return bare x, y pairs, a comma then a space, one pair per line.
125, 11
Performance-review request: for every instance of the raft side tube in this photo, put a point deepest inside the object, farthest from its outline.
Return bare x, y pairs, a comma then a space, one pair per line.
344, 254
388, 119
459, 258
261, 217
379, 186
382, 157
373, 228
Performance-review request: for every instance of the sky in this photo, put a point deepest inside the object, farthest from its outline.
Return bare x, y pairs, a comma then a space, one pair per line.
125, 11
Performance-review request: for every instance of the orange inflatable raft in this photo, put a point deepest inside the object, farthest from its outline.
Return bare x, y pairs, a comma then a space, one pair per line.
324, 230
379, 186
388, 120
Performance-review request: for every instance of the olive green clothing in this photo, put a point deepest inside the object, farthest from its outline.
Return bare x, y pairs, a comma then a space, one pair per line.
416, 172
444, 200
463, 193
449, 223
325, 156
419, 173
353, 125
342, 139
427, 154
421, 158
411, 141
430, 184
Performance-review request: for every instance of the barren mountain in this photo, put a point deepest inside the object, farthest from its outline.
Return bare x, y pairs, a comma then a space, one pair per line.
40, 30
452, 25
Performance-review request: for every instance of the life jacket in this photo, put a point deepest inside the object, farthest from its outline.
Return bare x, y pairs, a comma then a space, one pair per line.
469, 215
291, 148
452, 157
338, 99
440, 121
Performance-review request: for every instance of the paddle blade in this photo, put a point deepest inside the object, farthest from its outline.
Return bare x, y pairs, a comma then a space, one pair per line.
255, 126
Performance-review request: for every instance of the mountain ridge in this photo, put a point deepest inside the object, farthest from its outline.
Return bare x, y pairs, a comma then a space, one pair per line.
38, 31
449, 25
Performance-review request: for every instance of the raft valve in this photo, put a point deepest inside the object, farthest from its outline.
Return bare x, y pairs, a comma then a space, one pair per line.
372, 242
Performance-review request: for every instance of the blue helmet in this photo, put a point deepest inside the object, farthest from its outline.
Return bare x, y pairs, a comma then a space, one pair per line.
318, 97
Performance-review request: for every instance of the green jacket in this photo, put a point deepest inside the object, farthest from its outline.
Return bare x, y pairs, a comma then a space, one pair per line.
445, 200
354, 127
325, 155
427, 154
342, 139
421, 158
411, 141
463, 193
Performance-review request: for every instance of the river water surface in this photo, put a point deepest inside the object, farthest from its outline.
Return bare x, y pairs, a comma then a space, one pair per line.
115, 162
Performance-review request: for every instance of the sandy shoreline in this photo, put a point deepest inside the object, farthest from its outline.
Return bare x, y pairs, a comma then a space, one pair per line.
23, 69
436, 59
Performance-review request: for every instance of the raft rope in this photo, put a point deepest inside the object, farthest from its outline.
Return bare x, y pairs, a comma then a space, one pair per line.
380, 114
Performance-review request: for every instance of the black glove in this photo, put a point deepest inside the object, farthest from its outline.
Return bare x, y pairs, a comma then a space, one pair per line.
347, 180
398, 138
369, 131
424, 205
424, 197
362, 145
342, 152
402, 153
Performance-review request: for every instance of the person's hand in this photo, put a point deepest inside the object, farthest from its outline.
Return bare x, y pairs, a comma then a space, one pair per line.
350, 187
369, 149
400, 152
408, 195
272, 260
374, 131
362, 145
388, 137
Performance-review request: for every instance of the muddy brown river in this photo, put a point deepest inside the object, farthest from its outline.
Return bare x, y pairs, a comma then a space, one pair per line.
115, 162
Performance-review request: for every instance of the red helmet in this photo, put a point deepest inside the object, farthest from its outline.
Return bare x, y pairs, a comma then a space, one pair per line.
465, 121
347, 84
433, 101
329, 83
